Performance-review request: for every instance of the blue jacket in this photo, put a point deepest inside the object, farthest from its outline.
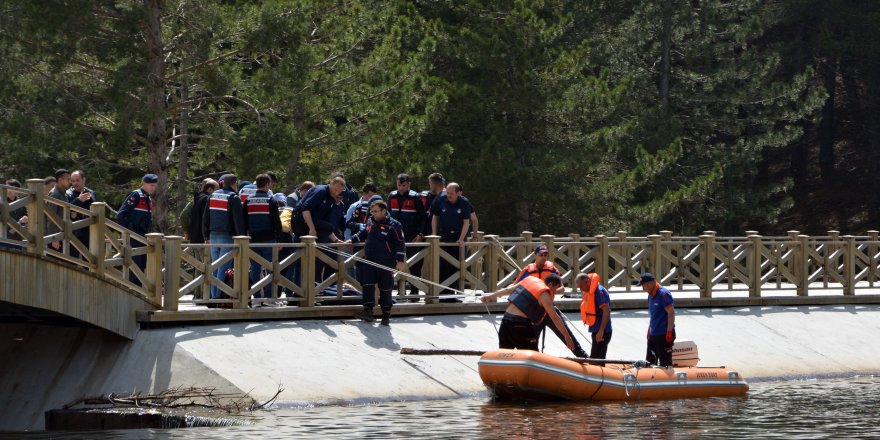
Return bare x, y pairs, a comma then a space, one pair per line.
409, 210
136, 212
323, 206
262, 219
224, 213
384, 241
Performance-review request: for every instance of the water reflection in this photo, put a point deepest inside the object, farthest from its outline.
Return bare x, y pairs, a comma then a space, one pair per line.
839, 408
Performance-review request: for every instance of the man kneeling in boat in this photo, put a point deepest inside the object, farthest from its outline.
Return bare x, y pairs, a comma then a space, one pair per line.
531, 300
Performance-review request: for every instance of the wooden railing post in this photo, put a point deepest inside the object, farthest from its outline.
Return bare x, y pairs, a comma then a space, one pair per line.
242, 265
525, 249
153, 270
623, 251
307, 269
873, 247
173, 246
707, 263
665, 266
574, 254
849, 265
493, 263
803, 265
432, 261
755, 266
602, 259
830, 249
36, 218
654, 260
97, 231
480, 266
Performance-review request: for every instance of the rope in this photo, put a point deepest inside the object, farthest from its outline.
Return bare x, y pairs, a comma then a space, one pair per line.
394, 271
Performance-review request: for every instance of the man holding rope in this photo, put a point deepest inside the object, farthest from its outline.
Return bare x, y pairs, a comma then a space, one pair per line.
531, 300
385, 246
539, 269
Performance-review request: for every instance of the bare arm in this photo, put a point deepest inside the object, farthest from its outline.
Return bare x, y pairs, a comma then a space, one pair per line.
670, 323
606, 313
464, 229
498, 294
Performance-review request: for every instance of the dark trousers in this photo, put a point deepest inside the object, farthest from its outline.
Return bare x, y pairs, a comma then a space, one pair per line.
139, 260
600, 349
323, 229
83, 236
371, 276
446, 268
415, 269
548, 323
660, 351
517, 332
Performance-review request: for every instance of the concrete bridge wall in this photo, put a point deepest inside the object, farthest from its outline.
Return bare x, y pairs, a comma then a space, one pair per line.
342, 360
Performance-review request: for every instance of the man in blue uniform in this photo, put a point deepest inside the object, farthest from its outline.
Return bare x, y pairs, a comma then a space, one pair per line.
661, 329
406, 207
595, 312
321, 213
223, 221
384, 245
136, 214
451, 219
263, 223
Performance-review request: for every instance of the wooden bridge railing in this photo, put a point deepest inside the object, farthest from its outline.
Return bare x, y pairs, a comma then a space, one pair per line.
174, 269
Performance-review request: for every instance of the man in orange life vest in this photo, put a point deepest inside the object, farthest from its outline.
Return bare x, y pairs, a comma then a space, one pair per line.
540, 269
595, 312
531, 300
661, 329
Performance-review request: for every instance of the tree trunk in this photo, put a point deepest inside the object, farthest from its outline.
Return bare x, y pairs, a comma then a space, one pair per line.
666, 37
293, 164
826, 126
157, 148
183, 151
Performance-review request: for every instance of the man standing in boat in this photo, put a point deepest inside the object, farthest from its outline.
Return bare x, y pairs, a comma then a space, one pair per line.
531, 300
661, 330
539, 269
595, 312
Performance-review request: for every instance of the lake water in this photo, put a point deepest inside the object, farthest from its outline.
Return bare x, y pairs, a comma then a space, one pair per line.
791, 409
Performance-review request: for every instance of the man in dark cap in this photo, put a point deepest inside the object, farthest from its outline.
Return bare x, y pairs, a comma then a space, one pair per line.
661, 329
136, 214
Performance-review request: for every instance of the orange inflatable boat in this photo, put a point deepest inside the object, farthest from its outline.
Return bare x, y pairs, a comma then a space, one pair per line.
531, 375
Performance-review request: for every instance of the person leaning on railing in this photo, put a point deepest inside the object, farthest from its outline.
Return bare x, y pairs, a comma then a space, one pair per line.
62, 182
81, 196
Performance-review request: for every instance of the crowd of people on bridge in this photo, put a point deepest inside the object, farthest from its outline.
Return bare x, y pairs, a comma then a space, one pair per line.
335, 213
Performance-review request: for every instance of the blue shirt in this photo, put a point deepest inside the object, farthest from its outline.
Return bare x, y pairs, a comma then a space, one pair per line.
451, 217
602, 298
657, 309
323, 206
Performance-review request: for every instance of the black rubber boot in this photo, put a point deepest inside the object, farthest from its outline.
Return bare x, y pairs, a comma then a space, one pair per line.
366, 314
386, 317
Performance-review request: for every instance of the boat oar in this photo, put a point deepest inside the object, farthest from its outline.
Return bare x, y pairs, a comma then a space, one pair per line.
446, 352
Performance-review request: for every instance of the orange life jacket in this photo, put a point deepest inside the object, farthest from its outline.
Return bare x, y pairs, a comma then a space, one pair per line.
588, 301
525, 297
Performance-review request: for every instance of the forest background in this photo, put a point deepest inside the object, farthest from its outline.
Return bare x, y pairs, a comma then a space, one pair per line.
586, 116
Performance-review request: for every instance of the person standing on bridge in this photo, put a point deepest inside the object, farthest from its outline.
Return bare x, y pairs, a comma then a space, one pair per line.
595, 312
531, 300
384, 245
407, 208
661, 328
62, 182
451, 220
263, 223
223, 221
82, 196
136, 214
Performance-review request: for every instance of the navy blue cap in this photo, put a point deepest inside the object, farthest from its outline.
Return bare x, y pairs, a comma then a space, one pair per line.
646, 277
541, 249
151, 178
